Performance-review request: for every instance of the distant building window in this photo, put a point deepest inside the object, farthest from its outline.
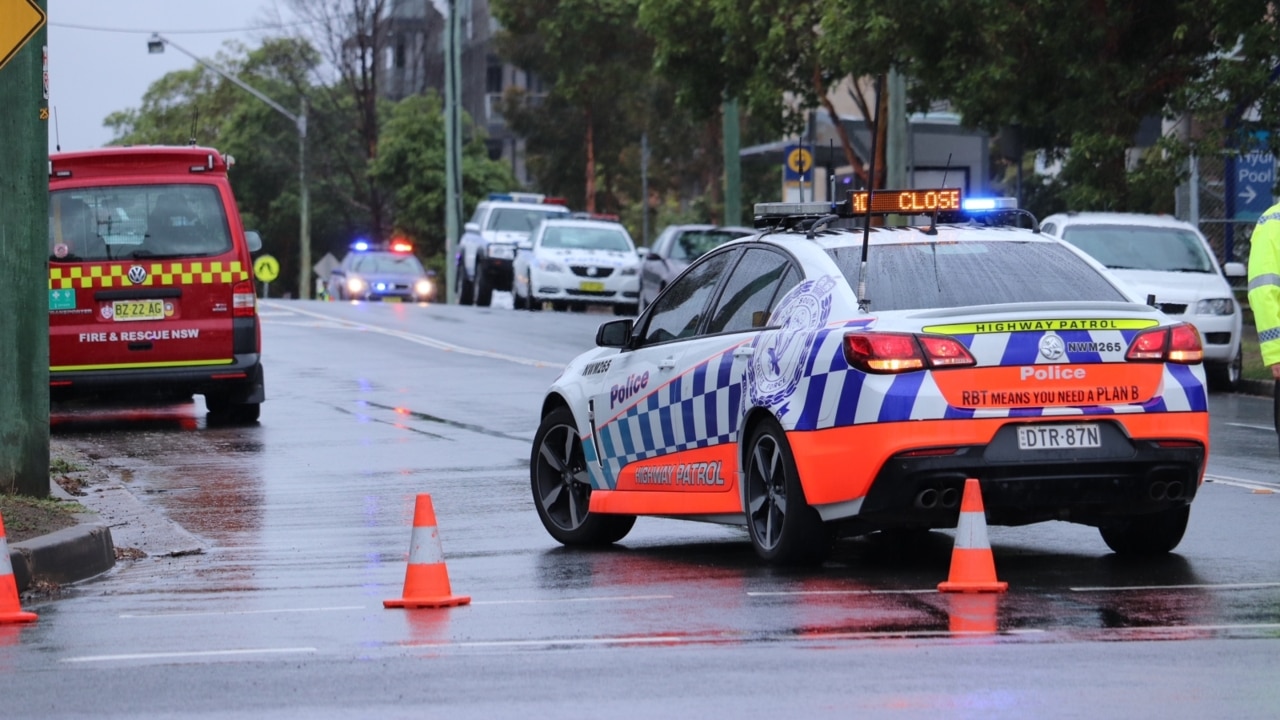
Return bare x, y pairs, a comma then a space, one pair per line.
493, 77
400, 54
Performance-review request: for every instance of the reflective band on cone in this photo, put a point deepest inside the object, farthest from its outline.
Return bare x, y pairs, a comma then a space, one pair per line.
10, 608
426, 580
973, 567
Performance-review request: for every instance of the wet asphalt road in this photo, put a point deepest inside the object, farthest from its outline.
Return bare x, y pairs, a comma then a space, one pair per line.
304, 522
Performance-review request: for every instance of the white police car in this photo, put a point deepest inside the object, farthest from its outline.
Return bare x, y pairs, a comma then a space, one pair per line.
573, 263
826, 377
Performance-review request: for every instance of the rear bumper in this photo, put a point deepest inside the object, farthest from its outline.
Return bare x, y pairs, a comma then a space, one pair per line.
241, 379
912, 474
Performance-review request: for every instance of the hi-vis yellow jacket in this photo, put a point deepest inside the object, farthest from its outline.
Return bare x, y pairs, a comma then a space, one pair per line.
1264, 283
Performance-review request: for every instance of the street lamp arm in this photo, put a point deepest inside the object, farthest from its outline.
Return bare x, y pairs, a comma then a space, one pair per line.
158, 40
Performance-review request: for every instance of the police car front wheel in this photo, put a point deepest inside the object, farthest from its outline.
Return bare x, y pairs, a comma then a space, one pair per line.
562, 486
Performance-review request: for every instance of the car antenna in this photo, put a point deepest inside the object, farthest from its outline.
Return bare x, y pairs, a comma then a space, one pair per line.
933, 221
863, 302
195, 121
57, 136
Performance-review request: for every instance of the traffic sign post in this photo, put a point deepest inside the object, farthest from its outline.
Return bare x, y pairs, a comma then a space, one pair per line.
797, 168
24, 231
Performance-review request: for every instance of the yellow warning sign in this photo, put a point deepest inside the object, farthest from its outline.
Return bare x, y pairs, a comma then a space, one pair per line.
266, 268
20, 20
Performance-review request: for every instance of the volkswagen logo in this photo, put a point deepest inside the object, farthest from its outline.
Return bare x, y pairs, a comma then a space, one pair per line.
1052, 347
137, 274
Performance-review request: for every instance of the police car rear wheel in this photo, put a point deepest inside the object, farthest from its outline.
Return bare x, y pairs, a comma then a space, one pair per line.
484, 286
784, 528
1147, 535
562, 486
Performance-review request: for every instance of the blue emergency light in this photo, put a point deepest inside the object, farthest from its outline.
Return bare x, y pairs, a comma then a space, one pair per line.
976, 205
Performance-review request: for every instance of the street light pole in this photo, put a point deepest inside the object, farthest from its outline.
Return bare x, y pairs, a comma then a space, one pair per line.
157, 44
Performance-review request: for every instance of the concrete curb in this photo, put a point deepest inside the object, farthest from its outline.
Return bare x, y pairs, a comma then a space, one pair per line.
1264, 388
69, 555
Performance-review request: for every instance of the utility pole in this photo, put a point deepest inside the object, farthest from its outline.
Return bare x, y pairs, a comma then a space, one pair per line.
732, 164
24, 254
452, 141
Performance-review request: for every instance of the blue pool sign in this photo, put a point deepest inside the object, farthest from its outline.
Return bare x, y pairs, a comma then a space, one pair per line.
1251, 177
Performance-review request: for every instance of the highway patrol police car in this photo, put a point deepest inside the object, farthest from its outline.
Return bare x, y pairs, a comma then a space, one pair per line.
826, 376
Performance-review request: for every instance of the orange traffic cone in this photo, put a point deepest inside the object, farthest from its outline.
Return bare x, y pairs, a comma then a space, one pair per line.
973, 567
10, 608
426, 581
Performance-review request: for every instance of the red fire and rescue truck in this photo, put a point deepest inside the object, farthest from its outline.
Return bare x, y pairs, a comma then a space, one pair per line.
150, 287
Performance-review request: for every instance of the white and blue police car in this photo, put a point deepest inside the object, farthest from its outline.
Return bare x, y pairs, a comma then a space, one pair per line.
826, 377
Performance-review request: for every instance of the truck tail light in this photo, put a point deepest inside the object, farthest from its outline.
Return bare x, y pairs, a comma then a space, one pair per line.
888, 353
244, 301
1175, 343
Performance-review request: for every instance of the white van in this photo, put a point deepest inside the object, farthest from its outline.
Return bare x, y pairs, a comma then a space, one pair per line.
1162, 256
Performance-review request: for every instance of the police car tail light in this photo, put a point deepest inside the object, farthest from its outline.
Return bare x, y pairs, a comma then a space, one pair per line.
1176, 344
243, 300
887, 353
943, 351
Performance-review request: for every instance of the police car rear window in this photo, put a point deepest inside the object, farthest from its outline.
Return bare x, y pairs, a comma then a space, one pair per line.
137, 221
940, 275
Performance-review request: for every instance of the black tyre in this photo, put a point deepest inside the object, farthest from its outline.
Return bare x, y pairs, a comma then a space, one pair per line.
559, 305
517, 300
466, 289
562, 487
484, 286
784, 529
1225, 377
224, 412
1146, 535
534, 304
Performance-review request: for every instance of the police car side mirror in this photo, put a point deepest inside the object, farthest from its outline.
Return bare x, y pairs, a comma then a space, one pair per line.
253, 240
615, 333
1234, 270
471, 227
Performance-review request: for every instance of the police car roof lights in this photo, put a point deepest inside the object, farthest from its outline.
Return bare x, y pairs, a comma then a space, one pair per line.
526, 197
360, 245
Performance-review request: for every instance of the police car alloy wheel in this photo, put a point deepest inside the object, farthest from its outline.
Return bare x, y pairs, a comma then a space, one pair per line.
562, 488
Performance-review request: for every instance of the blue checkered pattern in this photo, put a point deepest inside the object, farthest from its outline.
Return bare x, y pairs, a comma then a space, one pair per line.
698, 409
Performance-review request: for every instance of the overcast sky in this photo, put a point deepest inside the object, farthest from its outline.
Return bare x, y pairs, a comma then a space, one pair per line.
95, 72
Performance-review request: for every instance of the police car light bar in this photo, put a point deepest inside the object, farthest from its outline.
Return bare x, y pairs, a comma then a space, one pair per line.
974, 205
360, 245
518, 197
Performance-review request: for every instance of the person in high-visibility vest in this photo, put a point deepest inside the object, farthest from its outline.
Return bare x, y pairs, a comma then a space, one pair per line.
1264, 293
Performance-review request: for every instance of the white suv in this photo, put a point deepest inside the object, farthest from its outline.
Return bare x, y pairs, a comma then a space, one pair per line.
1170, 259
497, 230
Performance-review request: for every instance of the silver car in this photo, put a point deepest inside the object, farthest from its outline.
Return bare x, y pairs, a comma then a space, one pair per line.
674, 249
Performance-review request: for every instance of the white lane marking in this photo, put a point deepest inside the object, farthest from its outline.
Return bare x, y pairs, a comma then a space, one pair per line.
430, 341
619, 598
192, 654
1242, 483
659, 639
1268, 428
782, 593
1205, 586
1195, 628
246, 612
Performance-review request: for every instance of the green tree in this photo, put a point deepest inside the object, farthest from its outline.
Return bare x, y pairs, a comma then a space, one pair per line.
410, 170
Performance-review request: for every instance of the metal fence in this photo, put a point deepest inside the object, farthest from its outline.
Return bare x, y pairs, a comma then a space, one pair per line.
1208, 210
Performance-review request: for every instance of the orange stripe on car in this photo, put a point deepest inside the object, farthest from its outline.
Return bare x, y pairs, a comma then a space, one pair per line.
839, 464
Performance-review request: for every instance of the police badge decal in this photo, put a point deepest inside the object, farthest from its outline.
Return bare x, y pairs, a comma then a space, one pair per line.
777, 358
